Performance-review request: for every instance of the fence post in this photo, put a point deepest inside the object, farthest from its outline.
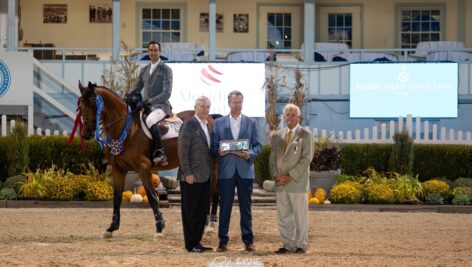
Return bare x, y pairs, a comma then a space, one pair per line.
4, 125
383, 133
451, 136
349, 136
340, 136
435, 133
65, 133
418, 129
468, 137
375, 134
47, 132
400, 124
39, 131
460, 137
358, 136
426, 132
443, 134
392, 130
366, 135
409, 124
12, 125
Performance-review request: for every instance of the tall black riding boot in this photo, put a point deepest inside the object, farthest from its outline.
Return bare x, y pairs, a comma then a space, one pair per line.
158, 156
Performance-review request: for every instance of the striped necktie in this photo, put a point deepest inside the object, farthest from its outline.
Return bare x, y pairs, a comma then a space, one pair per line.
288, 137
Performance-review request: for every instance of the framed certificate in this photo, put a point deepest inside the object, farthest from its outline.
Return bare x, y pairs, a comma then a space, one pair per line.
234, 145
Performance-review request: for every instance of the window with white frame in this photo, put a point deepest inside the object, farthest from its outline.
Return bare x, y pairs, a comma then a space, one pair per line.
161, 25
340, 28
279, 30
420, 25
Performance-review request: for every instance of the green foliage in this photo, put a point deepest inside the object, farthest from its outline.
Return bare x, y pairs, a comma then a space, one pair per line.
463, 182
462, 190
3, 159
261, 165
61, 188
434, 199
1, 184
461, 199
406, 188
35, 184
7, 194
434, 186
327, 155
98, 191
345, 193
401, 157
380, 193
356, 158
17, 149
14, 182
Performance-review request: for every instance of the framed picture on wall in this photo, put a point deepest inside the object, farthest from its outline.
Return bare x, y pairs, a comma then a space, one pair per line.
241, 23
55, 13
100, 13
205, 22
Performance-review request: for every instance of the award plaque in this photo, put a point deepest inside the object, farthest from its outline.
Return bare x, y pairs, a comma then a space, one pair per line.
234, 145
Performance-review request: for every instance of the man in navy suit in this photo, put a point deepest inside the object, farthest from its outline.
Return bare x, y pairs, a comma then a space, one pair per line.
196, 169
235, 169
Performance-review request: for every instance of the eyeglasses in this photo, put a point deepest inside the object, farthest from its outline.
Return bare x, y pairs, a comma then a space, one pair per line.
204, 106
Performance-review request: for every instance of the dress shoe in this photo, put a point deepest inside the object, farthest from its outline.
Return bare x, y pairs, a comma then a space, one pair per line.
222, 248
204, 248
282, 250
196, 249
300, 251
249, 247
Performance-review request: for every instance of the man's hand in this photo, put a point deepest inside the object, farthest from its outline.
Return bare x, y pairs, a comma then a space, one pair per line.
190, 179
242, 154
283, 179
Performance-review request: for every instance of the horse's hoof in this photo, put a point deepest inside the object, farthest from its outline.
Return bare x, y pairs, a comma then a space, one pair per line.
107, 235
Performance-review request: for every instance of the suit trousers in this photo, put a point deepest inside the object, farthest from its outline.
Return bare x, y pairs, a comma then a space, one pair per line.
194, 204
292, 217
226, 191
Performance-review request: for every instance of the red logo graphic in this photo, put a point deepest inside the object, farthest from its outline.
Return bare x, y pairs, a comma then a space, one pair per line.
209, 75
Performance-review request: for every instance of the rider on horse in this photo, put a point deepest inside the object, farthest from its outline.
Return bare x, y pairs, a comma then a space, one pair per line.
155, 82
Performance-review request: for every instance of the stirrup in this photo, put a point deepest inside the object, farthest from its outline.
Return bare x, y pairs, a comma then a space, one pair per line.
160, 158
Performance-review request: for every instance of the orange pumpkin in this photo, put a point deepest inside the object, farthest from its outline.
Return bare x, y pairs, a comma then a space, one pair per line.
310, 195
141, 191
155, 180
145, 199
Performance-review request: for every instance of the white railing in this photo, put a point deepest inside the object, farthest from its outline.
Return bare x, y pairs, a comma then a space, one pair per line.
424, 133
46, 132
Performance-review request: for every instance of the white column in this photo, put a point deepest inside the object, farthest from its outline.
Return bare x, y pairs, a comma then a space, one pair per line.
3, 25
12, 39
212, 30
116, 30
309, 31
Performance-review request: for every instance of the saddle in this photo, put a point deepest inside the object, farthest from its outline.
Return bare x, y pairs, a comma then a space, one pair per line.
168, 127
164, 124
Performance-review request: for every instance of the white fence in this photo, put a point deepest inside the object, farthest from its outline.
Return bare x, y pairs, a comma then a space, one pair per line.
6, 130
424, 133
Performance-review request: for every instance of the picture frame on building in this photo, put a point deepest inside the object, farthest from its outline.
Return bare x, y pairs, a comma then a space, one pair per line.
241, 23
54, 13
100, 13
204, 22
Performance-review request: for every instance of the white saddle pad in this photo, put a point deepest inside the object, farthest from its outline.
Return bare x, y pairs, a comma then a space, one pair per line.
173, 123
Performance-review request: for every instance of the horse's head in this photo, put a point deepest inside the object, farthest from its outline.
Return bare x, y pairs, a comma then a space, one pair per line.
88, 110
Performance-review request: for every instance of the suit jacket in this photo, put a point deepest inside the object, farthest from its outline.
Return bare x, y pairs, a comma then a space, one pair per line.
229, 164
295, 161
157, 87
194, 152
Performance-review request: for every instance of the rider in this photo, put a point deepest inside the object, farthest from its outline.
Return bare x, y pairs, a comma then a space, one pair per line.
155, 82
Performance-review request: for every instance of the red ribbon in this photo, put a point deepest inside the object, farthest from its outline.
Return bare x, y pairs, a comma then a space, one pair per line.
78, 123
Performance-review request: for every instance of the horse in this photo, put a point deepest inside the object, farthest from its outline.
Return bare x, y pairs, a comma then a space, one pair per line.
127, 147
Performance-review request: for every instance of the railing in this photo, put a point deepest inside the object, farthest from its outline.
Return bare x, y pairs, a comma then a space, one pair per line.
428, 134
8, 127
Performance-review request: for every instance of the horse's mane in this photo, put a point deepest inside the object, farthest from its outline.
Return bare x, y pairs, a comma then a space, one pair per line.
108, 91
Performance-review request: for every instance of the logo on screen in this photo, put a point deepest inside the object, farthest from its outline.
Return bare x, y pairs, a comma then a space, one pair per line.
403, 76
4, 78
210, 76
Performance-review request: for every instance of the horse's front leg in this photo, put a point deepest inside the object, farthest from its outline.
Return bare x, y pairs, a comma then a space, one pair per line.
153, 200
118, 187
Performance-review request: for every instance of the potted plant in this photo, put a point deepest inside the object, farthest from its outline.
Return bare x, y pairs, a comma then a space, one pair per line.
326, 164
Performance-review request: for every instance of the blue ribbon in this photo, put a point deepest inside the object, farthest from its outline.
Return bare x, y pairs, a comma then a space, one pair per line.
115, 145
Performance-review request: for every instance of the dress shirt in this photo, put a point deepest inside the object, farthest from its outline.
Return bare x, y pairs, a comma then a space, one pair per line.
153, 67
235, 126
204, 125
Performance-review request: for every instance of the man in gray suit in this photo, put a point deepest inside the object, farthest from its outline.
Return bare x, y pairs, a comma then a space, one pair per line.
196, 168
155, 82
289, 164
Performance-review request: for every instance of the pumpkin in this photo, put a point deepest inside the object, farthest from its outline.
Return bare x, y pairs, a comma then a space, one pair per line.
327, 202
145, 199
136, 198
127, 195
155, 180
140, 190
320, 194
314, 200
310, 195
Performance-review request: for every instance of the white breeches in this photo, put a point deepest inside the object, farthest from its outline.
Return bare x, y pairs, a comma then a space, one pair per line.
155, 116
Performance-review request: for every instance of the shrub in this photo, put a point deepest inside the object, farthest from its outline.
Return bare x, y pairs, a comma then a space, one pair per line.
461, 190
17, 149
461, 199
7, 194
61, 188
379, 193
434, 199
345, 193
435, 186
261, 165
15, 182
98, 190
463, 182
327, 155
401, 157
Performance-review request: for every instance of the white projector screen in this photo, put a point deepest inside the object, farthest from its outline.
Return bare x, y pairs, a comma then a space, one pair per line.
216, 80
428, 90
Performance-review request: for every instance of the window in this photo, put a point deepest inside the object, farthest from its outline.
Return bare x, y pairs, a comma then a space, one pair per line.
419, 25
279, 30
340, 28
161, 25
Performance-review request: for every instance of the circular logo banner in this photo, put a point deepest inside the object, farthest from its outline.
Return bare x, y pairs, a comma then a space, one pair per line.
5, 78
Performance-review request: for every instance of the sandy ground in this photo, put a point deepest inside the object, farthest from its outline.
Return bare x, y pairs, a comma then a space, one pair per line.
72, 237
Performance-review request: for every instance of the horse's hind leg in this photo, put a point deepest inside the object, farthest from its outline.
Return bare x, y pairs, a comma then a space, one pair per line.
153, 201
118, 186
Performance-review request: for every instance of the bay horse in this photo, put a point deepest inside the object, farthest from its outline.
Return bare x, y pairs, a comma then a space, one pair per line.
127, 147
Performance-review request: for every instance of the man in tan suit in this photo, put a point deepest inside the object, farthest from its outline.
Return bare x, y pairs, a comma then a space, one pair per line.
292, 152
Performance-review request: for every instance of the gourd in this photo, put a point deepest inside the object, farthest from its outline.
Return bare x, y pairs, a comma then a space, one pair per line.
155, 180
314, 200
141, 191
320, 194
127, 195
136, 198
